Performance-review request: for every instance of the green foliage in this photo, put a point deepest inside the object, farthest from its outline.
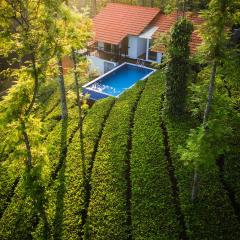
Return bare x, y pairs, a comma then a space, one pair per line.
178, 68
211, 216
27, 195
204, 146
216, 29
74, 196
14, 105
107, 210
153, 210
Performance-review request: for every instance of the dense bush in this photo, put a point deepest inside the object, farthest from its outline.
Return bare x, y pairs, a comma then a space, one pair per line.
107, 218
153, 210
18, 224
211, 216
67, 195
232, 174
178, 68
74, 196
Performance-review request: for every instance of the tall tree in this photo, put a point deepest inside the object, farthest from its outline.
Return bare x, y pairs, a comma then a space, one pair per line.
23, 35
215, 33
178, 68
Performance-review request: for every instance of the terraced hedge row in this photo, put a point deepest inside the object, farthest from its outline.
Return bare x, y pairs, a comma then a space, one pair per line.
73, 198
107, 216
11, 169
153, 210
231, 168
17, 221
212, 216
67, 195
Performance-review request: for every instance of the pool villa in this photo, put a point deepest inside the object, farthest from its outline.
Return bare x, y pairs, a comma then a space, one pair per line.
124, 35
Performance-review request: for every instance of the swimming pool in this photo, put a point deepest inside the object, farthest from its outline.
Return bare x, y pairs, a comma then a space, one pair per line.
116, 81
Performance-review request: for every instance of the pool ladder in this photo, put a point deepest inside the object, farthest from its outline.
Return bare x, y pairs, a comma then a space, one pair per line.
140, 62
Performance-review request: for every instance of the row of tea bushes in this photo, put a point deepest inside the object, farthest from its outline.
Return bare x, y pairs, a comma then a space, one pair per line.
211, 216
153, 210
17, 221
67, 194
107, 215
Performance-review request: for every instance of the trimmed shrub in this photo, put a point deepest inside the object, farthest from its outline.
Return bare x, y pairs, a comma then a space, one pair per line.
107, 216
211, 216
17, 221
74, 195
153, 210
232, 173
66, 195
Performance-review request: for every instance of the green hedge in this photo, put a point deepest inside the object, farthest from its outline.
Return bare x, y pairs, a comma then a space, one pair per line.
211, 216
17, 220
153, 210
74, 195
68, 189
12, 167
10, 171
232, 173
107, 218
17, 224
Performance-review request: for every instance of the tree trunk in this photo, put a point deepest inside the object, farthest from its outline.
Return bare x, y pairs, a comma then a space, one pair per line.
152, 3
80, 117
62, 90
195, 186
94, 7
210, 93
27, 145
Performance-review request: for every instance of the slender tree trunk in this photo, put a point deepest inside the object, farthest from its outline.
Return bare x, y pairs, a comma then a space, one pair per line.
195, 187
152, 3
210, 93
80, 117
62, 90
94, 7
27, 145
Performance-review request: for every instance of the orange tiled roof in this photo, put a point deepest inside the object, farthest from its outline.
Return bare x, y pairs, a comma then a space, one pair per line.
165, 22
116, 21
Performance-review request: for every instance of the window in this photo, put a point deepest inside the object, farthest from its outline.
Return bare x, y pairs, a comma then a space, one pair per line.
107, 47
152, 56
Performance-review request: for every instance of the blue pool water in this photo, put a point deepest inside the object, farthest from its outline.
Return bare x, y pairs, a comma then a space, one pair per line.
118, 80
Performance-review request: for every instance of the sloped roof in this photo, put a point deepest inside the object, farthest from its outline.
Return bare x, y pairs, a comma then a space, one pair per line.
165, 22
116, 21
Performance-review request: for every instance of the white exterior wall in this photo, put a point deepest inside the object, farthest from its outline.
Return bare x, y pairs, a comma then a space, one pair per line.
96, 64
137, 46
142, 46
132, 47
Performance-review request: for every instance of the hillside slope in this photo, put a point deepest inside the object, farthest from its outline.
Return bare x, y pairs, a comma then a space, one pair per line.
135, 187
